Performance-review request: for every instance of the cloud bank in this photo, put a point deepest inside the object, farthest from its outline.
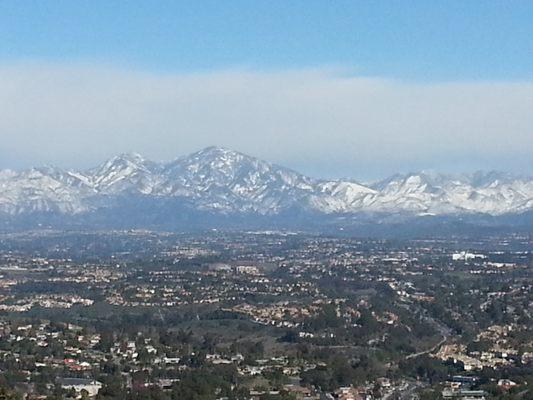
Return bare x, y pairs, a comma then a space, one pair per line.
324, 122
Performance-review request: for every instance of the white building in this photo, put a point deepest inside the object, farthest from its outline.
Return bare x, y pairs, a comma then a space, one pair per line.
78, 384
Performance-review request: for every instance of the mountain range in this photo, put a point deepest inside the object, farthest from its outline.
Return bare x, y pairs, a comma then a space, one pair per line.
217, 184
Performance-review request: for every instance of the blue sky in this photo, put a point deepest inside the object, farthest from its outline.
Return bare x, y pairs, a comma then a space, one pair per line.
332, 88
419, 40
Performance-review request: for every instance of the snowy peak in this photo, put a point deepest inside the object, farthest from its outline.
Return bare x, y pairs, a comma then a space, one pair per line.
492, 193
216, 163
124, 173
41, 190
129, 162
224, 181
230, 166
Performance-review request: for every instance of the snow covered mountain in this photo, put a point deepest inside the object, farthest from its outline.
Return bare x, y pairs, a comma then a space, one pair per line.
491, 193
225, 182
222, 180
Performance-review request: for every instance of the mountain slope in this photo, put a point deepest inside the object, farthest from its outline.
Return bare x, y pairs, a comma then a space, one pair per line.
223, 182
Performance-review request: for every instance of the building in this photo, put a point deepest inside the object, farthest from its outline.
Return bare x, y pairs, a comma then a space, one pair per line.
91, 386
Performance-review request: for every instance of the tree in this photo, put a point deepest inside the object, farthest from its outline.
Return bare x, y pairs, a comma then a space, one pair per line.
6, 394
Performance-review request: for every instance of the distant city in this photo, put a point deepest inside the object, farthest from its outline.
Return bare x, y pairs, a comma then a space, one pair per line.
255, 315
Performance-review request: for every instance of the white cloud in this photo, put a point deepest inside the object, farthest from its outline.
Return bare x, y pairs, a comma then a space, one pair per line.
322, 121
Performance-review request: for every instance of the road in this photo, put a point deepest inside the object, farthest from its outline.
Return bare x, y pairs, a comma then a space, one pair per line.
444, 331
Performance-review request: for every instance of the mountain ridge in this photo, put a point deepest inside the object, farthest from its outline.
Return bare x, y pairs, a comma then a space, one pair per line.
216, 180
